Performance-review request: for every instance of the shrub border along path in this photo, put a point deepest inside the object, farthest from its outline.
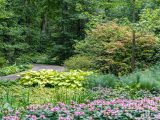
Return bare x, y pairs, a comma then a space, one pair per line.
35, 67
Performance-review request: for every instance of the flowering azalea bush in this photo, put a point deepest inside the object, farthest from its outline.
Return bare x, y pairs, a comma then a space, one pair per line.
116, 109
109, 48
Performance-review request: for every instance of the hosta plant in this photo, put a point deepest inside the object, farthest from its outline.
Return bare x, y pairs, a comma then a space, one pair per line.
71, 79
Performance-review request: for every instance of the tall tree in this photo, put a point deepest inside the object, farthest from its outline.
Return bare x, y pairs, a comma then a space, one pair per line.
11, 34
70, 24
133, 36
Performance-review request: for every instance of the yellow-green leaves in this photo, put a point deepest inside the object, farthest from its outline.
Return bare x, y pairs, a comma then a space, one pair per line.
3, 12
71, 79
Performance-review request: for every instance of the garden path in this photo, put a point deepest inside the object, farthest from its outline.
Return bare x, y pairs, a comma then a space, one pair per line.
35, 67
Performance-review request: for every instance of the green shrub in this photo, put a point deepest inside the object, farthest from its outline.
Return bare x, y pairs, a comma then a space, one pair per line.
13, 69
148, 79
109, 46
32, 58
2, 61
71, 79
78, 62
8, 82
24, 59
41, 59
109, 81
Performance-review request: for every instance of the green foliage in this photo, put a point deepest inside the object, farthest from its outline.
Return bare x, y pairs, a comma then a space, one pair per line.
150, 20
41, 59
71, 79
17, 96
72, 17
121, 92
13, 69
12, 42
109, 46
8, 82
103, 81
4, 13
13, 95
33, 58
46, 27
148, 79
53, 27
25, 59
2, 61
78, 62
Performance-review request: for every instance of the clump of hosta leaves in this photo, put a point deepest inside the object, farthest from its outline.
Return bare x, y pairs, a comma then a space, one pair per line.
71, 79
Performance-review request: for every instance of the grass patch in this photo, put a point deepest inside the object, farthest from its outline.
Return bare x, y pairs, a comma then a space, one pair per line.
19, 96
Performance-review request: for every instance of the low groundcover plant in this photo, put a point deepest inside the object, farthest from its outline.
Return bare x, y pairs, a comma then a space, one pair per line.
116, 109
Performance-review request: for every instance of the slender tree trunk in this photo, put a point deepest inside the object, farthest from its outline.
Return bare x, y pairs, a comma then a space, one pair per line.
27, 22
43, 31
133, 38
43, 23
133, 50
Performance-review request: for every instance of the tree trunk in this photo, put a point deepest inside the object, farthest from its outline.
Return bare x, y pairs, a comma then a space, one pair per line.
133, 50
43, 23
133, 38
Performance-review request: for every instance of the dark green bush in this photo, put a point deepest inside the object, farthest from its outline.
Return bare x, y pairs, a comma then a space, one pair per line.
24, 59
78, 62
32, 58
109, 45
109, 81
2, 61
8, 82
41, 59
148, 79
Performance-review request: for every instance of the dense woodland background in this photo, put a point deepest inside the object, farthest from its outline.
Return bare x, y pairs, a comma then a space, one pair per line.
51, 31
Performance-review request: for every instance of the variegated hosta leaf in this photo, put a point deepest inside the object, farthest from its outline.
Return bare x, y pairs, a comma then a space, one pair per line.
72, 79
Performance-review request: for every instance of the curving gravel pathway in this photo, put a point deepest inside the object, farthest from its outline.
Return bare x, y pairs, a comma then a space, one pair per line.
35, 67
